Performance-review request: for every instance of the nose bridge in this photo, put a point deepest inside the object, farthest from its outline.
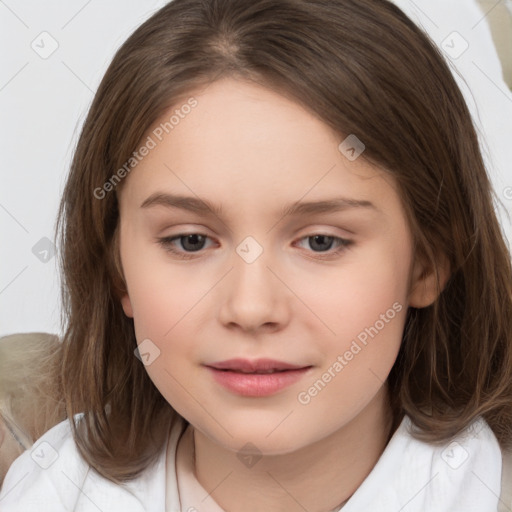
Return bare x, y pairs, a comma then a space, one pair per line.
254, 296
250, 273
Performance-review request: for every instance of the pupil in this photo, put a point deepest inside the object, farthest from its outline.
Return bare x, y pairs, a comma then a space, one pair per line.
322, 240
195, 239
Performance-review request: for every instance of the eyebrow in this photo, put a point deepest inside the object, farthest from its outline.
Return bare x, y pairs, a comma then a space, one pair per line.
204, 207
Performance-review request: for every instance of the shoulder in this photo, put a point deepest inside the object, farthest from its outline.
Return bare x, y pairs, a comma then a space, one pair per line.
461, 474
470, 462
53, 473
44, 473
477, 443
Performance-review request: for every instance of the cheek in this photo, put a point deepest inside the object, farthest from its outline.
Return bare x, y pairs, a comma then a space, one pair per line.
164, 313
160, 293
364, 306
367, 285
165, 301
367, 310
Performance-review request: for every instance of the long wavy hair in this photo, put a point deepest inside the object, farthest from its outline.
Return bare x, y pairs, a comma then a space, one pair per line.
363, 67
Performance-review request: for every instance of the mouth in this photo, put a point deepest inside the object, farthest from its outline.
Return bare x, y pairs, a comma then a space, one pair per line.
258, 372
255, 366
258, 378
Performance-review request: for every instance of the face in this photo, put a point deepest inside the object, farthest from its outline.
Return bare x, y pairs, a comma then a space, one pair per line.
323, 289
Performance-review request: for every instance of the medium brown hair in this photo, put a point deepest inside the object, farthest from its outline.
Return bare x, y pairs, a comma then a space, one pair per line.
362, 67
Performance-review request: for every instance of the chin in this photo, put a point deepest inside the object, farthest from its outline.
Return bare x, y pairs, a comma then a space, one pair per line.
257, 439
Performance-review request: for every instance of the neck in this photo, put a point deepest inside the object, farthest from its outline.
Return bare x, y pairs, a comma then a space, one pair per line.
319, 477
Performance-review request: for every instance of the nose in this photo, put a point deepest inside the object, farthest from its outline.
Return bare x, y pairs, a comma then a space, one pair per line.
253, 297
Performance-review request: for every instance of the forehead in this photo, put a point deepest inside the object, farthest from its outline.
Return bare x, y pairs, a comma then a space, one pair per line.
243, 143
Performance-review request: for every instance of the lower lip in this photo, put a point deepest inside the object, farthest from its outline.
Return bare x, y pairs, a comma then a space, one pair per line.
257, 384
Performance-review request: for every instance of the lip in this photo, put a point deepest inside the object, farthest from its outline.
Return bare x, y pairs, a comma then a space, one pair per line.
246, 365
230, 374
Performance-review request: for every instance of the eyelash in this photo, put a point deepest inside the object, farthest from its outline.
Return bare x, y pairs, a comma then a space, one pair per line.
166, 242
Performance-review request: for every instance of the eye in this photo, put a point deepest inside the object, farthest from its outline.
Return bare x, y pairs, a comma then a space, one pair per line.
194, 242
323, 243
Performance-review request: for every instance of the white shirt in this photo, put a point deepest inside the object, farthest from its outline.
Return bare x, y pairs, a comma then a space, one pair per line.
412, 476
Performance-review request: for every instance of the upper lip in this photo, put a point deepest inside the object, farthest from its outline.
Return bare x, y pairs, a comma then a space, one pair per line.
255, 365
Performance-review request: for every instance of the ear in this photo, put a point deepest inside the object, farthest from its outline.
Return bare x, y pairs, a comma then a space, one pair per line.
424, 286
127, 305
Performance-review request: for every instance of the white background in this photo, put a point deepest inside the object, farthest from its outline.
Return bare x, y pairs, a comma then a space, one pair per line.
43, 102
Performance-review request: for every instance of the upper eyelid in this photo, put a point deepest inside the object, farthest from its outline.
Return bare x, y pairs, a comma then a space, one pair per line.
202, 233
196, 229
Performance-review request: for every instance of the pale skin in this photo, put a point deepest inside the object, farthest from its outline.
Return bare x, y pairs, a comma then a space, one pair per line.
253, 151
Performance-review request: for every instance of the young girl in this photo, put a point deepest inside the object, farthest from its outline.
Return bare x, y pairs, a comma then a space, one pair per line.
285, 283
